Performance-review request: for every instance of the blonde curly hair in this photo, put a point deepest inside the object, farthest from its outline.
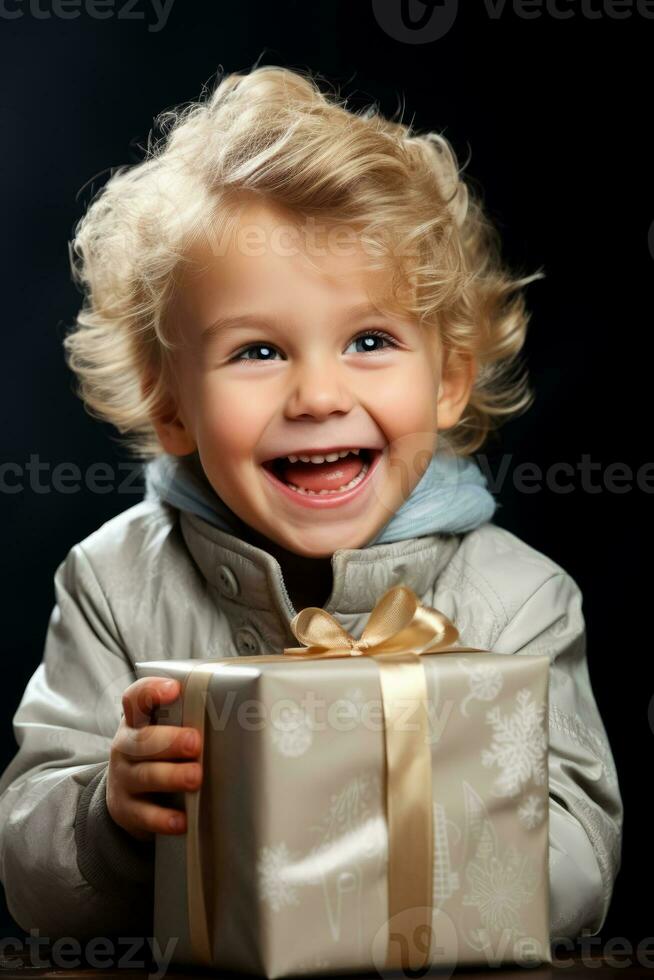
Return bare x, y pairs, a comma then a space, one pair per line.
271, 133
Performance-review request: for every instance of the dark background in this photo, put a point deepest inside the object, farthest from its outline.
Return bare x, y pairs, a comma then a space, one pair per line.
556, 117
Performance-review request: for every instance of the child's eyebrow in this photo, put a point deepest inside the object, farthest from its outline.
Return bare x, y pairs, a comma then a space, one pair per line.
234, 323
241, 320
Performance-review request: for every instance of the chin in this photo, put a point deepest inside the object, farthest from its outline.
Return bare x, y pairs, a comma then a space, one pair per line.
310, 550
319, 547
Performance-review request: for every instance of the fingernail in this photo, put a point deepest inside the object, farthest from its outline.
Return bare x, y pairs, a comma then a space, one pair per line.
169, 685
175, 823
189, 740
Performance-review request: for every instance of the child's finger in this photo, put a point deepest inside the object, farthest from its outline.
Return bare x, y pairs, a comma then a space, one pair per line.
157, 742
141, 818
144, 695
162, 777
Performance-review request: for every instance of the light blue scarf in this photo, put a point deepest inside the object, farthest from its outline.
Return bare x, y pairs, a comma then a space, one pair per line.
451, 497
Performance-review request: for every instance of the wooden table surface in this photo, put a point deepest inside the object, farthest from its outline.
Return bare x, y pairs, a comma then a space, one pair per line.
19, 966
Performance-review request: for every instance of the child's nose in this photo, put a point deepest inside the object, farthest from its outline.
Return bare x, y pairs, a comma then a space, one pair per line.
318, 390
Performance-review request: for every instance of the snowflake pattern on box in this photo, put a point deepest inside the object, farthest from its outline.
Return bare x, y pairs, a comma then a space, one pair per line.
291, 732
446, 880
531, 812
275, 887
485, 681
500, 887
352, 833
352, 704
519, 745
500, 884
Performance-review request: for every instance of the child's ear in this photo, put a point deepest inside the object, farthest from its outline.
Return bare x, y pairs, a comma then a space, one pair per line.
457, 378
171, 431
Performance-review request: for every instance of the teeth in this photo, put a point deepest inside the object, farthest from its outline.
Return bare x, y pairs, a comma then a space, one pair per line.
348, 486
329, 458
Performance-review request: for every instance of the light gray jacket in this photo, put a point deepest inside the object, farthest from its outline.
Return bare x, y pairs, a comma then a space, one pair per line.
157, 583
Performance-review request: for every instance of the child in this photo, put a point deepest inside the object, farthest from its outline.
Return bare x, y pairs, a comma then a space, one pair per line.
298, 316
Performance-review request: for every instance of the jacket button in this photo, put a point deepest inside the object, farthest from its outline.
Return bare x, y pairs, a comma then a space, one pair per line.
227, 581
248, 641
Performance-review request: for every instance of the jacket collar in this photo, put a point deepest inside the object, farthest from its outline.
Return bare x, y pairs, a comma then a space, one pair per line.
251, 577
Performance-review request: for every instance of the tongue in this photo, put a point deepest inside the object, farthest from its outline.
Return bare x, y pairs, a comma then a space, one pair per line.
321, 476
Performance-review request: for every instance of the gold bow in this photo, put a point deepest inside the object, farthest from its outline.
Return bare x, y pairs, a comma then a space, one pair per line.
397, 624
398, 631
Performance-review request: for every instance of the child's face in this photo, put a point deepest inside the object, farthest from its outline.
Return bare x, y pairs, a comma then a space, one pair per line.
304, 374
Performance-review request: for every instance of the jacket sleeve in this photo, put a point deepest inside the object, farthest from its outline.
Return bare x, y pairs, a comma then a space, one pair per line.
585, 810
66, 866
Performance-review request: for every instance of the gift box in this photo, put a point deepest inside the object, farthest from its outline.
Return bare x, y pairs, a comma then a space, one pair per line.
367, 805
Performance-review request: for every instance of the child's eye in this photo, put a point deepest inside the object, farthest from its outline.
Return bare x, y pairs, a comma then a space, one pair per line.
379, 334
268, 350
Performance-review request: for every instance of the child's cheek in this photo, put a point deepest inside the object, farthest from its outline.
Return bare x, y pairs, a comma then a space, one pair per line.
410, 405
227, 422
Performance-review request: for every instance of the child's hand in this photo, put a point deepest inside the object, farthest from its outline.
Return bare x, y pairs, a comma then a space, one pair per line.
133, 773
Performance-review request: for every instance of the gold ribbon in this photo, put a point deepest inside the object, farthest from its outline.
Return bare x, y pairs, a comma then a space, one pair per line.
398, 632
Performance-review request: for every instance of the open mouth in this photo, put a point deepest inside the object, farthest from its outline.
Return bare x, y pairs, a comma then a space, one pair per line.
321, 477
